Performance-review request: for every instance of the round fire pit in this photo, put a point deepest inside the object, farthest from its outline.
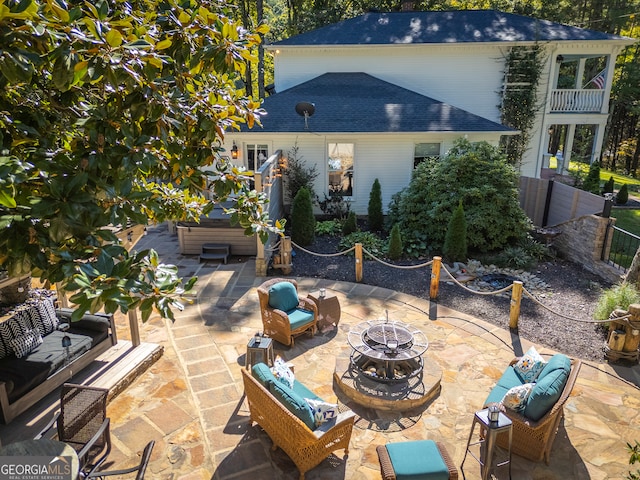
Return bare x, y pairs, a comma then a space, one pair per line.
387, 351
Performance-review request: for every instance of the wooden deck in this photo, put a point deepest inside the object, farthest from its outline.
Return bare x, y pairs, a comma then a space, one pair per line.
115, 369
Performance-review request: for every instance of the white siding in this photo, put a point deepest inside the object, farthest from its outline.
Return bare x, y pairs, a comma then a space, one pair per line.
387, 157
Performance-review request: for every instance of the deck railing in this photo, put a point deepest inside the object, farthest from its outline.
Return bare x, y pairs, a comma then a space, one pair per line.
576, 100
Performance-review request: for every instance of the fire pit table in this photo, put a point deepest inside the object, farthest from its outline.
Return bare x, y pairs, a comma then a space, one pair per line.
384, 367
387, 351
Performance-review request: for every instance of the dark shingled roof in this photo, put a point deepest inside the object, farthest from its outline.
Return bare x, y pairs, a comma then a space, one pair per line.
358, 102
459, 26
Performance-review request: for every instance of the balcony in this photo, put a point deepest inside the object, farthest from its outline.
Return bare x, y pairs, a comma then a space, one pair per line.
576, 101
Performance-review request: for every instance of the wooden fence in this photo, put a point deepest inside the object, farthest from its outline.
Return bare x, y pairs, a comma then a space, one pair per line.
549, 203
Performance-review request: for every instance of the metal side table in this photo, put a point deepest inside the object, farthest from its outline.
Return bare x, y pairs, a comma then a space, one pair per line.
259, 349
492, 429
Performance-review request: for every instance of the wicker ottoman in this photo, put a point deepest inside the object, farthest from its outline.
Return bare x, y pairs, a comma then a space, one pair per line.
424, 459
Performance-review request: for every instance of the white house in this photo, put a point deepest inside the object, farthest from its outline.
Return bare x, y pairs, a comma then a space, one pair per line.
370, 97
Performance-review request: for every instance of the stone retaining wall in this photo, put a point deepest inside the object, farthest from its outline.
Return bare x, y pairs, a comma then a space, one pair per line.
582, 240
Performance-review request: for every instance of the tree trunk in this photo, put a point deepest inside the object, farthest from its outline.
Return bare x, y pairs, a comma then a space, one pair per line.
633, 274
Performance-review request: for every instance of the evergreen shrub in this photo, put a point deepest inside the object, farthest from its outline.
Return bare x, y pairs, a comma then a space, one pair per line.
303, 223
623, 195
351, 224
609, 185
394, 250
455, 240
592, 182
375, 217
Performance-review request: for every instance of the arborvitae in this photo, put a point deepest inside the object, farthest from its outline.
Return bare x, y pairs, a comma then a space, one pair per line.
455, 240
303, 223
608, 186
623, 195
394, 251
350, 225
592, 182
376, 219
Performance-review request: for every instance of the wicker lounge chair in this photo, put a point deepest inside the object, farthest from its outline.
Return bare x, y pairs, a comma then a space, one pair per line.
533, 439
306, 447
277, 323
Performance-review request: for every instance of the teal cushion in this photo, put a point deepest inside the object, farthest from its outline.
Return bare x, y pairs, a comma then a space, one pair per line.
510, 378
558, 361
263, 374
299, 318
417, 460
294, 403
283, 296
546, 392
303, 391
496, 395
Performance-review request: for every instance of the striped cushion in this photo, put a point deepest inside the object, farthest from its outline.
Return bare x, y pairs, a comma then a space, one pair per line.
9, 330
24, 344
43, 315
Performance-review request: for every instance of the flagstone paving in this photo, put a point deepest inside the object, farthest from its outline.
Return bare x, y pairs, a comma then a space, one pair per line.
191, 400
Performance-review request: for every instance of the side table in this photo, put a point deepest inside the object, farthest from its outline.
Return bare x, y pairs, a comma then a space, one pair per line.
492, 429
328, 309
261, 351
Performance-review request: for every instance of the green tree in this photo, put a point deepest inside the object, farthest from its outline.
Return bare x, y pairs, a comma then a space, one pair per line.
108, 111
350, 224
455, 240
592, 182
609, 185
375, 217
303, 223
623, 195
394, 250
299, 175
479, 175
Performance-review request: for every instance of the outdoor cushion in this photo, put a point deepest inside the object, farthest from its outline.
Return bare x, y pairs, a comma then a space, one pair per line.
10, 329
44, 315
417, 460
509, 379
282, 372
529, 365
558, 361
23, 344
303, 391
263, 374
496, 394
299, 318
294, 403
283, 296
545, 394
322, 411
516, 398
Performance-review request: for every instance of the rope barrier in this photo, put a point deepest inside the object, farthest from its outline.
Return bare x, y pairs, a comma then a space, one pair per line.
395, 266
323, 254
456, 282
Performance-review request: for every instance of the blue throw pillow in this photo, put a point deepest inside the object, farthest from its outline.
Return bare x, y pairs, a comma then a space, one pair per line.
283, 296
545, 393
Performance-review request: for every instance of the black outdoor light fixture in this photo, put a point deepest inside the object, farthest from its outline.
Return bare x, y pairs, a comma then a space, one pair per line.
559, 59
234, 150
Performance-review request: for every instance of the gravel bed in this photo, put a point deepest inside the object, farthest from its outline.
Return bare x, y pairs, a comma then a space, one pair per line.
560, 286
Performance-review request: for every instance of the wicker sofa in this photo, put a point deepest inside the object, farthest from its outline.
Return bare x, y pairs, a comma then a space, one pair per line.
306, 447
535, 429
60, 349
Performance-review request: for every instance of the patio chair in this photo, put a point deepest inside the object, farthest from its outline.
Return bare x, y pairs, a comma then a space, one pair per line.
285, 315
82, 423
141, 468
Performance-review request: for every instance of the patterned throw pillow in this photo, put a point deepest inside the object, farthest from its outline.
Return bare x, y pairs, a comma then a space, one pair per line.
529, 365
24, 344
282, 372
322, 411
516, 398
43, 314
10, 329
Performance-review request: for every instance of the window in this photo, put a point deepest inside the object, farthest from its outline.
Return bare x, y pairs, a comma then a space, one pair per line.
340, 167
256, 156
424, 151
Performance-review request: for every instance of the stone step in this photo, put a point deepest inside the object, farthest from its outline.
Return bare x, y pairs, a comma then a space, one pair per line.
216, 248
214, 256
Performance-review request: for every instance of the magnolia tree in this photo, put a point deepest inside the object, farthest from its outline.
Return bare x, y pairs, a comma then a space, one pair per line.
108, 111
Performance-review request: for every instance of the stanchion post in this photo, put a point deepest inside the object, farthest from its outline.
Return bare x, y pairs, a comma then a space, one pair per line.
516, 299
435, 277
133, 326
358, 253
285, 255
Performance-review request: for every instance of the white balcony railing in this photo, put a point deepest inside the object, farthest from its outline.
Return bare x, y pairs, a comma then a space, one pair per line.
576, 101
